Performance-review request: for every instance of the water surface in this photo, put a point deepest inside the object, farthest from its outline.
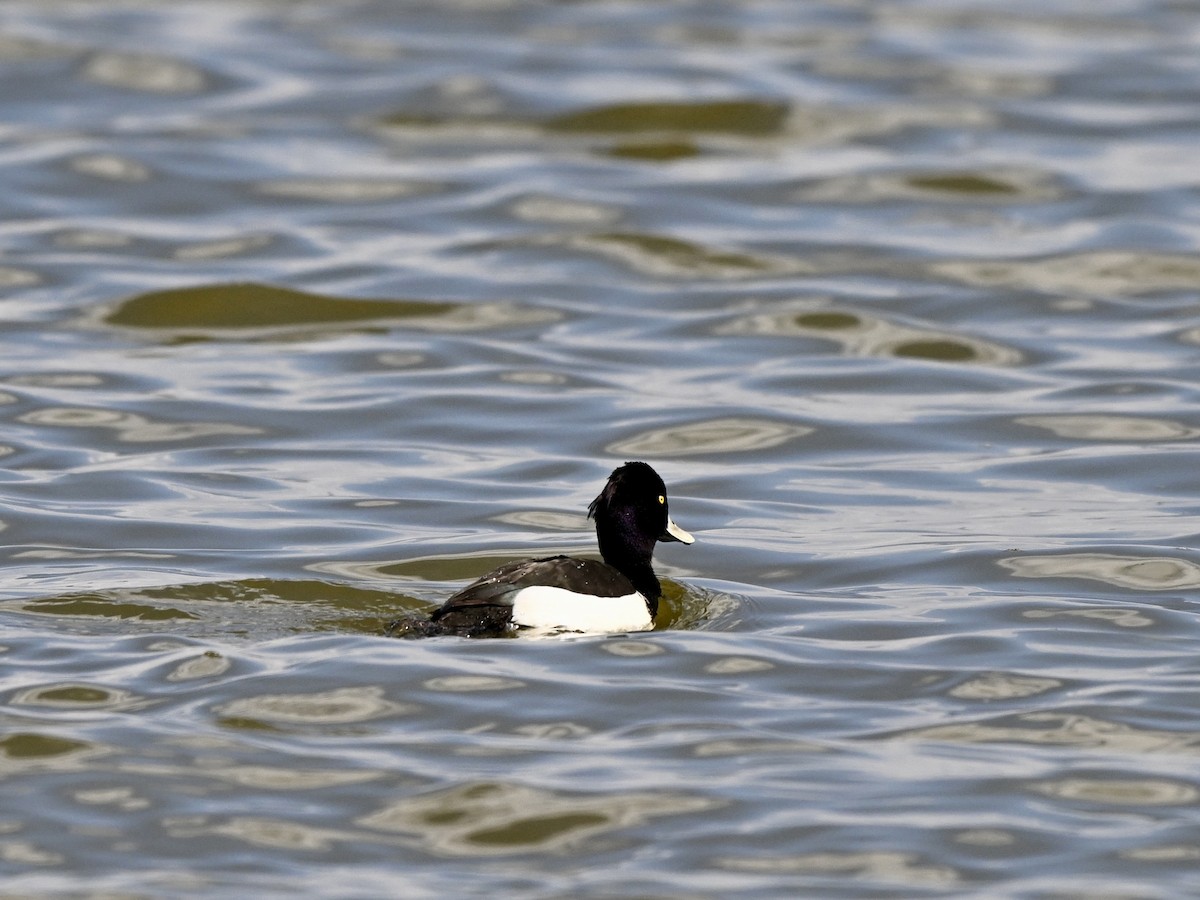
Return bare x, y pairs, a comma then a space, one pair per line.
313, 311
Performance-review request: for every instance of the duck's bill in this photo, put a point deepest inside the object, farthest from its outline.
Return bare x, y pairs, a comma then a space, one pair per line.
675, 533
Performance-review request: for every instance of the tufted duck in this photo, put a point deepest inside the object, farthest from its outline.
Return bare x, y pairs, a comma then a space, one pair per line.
562, 593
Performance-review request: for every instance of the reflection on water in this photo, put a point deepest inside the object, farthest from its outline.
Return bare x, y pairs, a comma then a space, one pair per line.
1095, 273
208, 665
139, 72
75, 696
878, 866
865, 335
991, 186
1115, 792
1003, 686
714, 436
1137, 573
131, 427
340, 707
109, 166
501, 819
1063, 729
1111, 428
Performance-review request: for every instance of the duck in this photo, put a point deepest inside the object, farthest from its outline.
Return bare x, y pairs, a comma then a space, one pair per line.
617, 593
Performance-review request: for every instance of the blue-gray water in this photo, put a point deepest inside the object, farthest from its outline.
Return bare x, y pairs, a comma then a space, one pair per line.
309, 312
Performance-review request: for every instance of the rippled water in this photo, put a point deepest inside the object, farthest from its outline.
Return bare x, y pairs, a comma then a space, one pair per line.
313, 311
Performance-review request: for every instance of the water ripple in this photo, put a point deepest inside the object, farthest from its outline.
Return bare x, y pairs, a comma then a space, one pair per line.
503, 819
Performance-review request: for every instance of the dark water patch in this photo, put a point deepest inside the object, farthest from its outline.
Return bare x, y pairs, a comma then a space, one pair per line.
104, 606
237, 306
981, 187
745, 117
33, 746
77, 696
258, 606
936, 351
962, 183
828, 319
263, 313
655, 151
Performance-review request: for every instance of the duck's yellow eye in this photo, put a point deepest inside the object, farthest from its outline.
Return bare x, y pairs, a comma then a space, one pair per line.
662, 499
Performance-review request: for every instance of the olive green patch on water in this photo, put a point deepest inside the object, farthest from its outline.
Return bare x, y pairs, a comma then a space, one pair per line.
655, 151
694, 608
494, 818
253, 305
866, 335
537, 830
238, 723
74, 694
828, 320
456, 568
32, 746
265, 604
261, 606
744, 117
275, 590
939, 351
962, 183
98, 605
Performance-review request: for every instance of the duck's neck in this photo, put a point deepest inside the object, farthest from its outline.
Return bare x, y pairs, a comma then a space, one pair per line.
631, 559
